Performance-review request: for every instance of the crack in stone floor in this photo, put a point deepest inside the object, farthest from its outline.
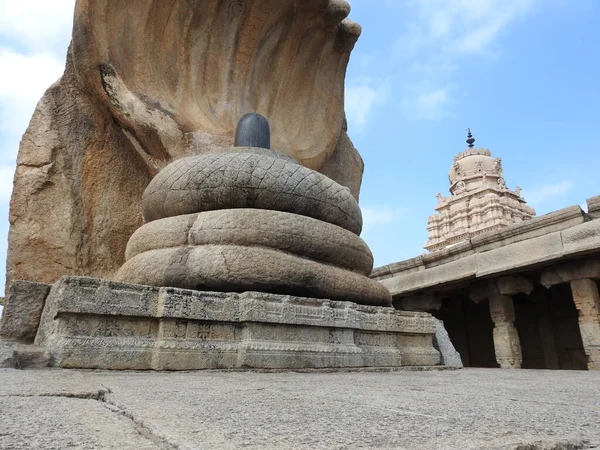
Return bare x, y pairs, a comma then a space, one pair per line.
102, 396
294, 410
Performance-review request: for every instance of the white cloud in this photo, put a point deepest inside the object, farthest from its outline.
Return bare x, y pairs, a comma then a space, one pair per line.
543, 194
39, 24
443, 34
361, 100
21, 87
463, 26
432, 105
34, 36
374, 216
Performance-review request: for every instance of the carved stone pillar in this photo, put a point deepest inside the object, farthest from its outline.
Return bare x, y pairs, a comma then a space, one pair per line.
506, 338
587, 302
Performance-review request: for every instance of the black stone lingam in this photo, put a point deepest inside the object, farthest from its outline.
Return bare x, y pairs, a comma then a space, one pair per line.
253, 131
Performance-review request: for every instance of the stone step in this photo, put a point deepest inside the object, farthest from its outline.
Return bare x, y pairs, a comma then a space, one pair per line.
16, 355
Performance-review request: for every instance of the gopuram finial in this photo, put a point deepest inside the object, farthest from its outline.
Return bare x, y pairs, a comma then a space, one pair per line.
470, 138
253, 131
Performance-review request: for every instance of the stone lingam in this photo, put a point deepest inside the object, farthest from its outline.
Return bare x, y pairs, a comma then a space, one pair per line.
252, 219
246, 260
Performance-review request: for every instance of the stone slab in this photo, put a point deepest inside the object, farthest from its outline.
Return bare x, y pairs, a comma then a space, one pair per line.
23, 309
593, 206
93, 323
7, 349
442, 342
480, 409
453, 271
572, 270
520, 254
58, 422
14, 354
582, 238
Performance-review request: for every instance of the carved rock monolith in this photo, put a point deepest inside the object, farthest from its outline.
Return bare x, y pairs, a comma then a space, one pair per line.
252, 219
148, 82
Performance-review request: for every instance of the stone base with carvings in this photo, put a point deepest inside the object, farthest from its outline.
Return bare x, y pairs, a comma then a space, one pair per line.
93, 323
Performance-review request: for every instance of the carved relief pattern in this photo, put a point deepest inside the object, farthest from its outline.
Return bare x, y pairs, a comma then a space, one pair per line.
236, 9
587, 301
506, 338
265, 324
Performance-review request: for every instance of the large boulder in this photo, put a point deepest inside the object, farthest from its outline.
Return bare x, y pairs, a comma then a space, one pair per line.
151, 81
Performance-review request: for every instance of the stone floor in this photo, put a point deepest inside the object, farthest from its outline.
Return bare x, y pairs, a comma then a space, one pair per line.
467, 409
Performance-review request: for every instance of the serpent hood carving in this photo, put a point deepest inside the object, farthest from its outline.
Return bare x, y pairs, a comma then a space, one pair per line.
151, 81
178, 75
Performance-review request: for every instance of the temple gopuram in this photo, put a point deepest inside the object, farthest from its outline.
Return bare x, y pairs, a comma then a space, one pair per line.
479, 202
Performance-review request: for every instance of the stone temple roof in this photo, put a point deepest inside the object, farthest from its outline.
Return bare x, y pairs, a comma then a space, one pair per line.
480, 200
475, 163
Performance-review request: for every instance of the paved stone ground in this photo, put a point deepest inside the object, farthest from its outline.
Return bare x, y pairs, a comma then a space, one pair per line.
466, 409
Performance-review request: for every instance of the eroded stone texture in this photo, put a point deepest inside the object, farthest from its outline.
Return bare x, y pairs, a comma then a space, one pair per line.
587, 302
23, 310
506, 337
300, 235
143, 87
17, 355
593, 206
345, 165
450, 357
224, 59
235, 268
90, 323
76, 191
265, 224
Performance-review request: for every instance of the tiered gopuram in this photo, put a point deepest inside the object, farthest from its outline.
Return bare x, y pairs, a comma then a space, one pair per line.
480, 200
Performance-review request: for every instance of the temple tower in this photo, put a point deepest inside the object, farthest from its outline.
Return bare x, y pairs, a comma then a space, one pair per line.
479, 202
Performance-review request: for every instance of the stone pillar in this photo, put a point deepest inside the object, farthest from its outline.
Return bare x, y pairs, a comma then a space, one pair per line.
506, 338
587, 302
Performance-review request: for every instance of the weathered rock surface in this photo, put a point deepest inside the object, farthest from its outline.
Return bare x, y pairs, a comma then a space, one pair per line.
234, 268
345, 165
470, 409
91, 323
7, 349
77, 190
442, 343
16, 355
593, 206
128, 104
300, 235
66, 421
23, 310
224, 59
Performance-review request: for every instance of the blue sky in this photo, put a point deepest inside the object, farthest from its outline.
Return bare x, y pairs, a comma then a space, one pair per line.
522, 74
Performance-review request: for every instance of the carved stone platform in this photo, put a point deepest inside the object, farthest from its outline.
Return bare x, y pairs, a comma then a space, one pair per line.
94, 323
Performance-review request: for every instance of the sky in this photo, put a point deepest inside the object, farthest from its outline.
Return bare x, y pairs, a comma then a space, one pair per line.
523, 75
